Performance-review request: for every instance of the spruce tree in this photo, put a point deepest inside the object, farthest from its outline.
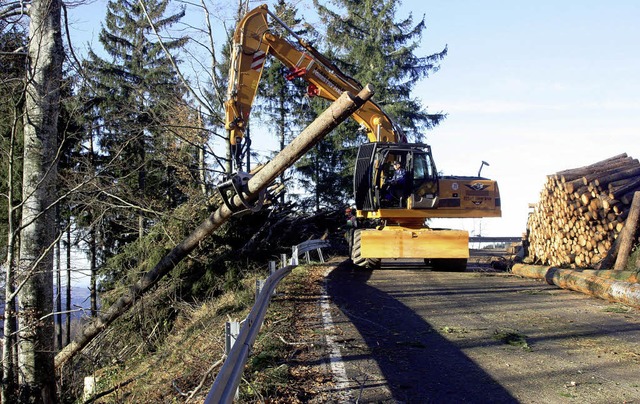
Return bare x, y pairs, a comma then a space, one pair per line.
136, 90
373, 47
366, 42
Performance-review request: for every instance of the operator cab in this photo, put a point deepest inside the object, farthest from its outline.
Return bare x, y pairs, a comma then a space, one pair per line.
395, 176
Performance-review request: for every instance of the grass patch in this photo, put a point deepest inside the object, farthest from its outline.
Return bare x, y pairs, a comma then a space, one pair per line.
535, 292
616, 309
453, 330
512, 338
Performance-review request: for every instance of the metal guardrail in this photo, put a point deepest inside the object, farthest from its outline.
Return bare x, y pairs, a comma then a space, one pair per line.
226, 382
495, 239
306, 247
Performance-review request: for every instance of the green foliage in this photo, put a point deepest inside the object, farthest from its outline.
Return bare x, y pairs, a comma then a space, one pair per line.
373, 47
634, 259
136, 103
366, 41
513, 338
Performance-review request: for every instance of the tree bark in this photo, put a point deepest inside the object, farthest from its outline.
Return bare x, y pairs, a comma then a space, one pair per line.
628, 233
68, 289
8, 391
58, 318
35, 298
342, 108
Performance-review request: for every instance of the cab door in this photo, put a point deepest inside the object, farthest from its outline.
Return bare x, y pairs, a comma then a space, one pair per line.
424, 192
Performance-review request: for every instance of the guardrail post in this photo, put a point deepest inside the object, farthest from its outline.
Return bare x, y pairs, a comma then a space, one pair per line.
259, 286
272, 270
231, 331
283, 260
307, 257
320, 255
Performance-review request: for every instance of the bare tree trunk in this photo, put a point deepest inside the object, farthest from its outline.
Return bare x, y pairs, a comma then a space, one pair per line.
8, 391
58, 320
68, 300
93, 250
35, 298
202, 168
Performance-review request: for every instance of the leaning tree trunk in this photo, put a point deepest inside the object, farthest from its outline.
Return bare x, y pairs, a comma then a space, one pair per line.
35, 298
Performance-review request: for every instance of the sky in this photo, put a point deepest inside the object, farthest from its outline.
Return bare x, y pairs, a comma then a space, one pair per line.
532, 88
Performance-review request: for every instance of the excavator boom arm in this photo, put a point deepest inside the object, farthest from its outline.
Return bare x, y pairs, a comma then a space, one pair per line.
254, 40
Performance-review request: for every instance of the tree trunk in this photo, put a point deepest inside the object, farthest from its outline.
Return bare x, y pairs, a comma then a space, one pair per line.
68, 300
627, 237
8, 391
202, 168
93, 251
35, 298
9, 326
58, 317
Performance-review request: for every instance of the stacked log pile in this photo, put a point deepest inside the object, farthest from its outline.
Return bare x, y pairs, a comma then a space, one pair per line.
581, 211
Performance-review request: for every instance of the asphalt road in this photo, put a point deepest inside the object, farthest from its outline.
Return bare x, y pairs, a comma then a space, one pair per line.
418, 336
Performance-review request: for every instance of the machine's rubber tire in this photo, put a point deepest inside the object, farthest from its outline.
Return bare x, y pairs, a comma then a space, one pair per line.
356, 258
447, 264
373, 263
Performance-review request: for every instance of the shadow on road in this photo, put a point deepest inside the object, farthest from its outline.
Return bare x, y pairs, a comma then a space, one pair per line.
419, 365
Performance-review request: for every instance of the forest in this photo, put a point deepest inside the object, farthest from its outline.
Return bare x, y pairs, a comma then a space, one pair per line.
111, 157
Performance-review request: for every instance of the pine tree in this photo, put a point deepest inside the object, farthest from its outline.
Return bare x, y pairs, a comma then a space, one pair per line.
136, 91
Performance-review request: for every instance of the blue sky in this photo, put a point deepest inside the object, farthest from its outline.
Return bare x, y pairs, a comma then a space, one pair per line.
530, 87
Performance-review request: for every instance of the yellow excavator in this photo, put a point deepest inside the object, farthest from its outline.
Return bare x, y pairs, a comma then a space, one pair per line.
398, 206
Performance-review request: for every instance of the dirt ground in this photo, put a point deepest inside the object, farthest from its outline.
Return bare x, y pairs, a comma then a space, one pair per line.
406, 334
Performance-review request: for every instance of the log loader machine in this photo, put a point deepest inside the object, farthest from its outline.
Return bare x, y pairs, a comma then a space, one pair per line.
399, 212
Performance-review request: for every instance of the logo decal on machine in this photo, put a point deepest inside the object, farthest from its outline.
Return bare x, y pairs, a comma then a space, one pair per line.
477, 186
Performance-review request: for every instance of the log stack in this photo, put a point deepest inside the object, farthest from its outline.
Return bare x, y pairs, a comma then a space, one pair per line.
581, 211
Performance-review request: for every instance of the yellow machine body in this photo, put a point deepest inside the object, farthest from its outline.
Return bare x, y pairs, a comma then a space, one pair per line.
402, 242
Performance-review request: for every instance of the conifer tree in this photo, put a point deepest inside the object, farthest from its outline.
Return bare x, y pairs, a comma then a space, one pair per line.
364, 39
373, 47
136, 89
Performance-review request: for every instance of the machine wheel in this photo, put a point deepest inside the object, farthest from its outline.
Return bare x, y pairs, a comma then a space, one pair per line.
371, 263
447, 264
